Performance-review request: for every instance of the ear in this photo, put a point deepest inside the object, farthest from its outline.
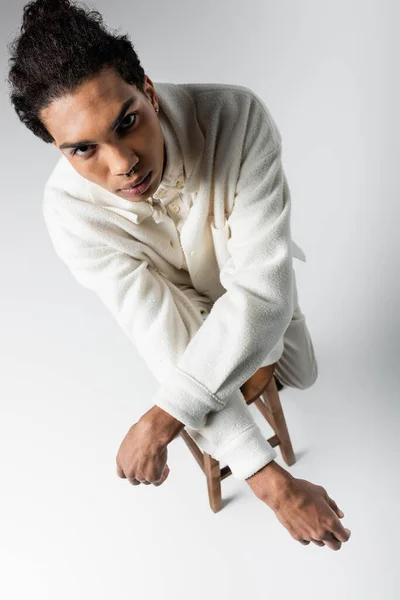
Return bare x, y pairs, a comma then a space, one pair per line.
150, 90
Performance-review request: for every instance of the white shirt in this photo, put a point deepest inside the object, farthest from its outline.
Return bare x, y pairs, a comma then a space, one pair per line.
169, 193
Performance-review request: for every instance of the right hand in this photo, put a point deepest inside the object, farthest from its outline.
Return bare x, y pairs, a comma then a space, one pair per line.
142, 455
303, 508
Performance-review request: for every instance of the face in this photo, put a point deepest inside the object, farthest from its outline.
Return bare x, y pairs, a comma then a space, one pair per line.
104, 133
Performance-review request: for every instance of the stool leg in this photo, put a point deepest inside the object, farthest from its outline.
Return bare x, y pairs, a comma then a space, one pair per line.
212, 472
271, 408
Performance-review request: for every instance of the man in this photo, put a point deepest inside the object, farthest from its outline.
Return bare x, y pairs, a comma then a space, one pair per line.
207, 298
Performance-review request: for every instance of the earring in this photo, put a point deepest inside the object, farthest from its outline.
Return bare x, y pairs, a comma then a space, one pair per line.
157, 109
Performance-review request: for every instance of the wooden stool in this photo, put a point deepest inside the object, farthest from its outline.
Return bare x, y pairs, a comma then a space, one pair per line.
260, 389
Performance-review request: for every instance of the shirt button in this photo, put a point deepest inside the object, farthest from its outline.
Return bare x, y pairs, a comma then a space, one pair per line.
193, 252
179, 184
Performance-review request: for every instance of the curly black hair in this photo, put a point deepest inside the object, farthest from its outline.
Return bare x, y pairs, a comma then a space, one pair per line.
60, 46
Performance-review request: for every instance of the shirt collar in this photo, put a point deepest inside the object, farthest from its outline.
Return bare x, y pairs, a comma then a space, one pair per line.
173, 177
174, 172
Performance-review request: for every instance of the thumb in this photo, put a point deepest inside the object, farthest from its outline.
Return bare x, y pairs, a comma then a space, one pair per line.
120, 472
163, 477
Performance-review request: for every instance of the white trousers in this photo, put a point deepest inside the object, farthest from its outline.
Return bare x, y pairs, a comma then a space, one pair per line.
297, 365
294, 355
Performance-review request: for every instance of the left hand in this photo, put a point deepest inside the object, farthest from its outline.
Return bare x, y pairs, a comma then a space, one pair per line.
142, 455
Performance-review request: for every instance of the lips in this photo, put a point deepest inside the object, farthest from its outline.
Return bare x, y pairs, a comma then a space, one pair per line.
139, 188
135, 183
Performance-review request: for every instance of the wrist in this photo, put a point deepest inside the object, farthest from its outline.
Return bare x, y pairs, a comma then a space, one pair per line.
164, 426
270, 483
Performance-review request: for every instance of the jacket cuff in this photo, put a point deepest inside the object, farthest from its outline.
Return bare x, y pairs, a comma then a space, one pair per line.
186, 399
247, 453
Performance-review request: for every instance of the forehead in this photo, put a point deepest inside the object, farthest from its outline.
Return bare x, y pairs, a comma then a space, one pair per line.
95, 102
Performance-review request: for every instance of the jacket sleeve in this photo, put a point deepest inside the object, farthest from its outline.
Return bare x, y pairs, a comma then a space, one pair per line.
245, 324
160, 318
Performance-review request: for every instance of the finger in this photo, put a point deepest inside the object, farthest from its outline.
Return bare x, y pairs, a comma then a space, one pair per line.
339, 532
120, 472
331, 541
335, 507
163, 477
134, 481
160, 481
336, 529
317, 542
144, 481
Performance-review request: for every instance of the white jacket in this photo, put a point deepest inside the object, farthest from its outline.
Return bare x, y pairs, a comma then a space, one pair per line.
205, 331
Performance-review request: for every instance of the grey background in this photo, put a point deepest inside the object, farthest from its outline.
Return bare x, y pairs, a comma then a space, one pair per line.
72, 384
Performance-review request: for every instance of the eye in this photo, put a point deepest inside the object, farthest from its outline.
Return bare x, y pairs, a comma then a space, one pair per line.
133, 114
129, 125
75, 151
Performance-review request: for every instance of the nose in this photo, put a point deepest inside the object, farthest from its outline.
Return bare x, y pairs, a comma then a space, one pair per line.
121, 159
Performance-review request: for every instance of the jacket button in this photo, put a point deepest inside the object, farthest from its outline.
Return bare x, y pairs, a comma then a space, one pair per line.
175, 208
179, 184
193, 252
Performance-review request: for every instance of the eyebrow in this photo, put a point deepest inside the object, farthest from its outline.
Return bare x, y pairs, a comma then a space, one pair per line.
113, 125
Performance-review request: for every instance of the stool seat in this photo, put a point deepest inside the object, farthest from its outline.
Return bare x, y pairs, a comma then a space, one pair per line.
261, 390
256, 385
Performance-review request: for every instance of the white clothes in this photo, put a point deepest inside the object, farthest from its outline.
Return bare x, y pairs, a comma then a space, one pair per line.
205, 293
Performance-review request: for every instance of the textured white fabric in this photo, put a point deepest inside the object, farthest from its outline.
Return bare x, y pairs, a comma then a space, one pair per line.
206, 292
